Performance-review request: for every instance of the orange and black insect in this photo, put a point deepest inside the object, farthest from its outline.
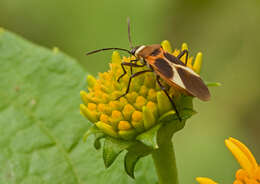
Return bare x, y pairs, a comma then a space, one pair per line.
165, 66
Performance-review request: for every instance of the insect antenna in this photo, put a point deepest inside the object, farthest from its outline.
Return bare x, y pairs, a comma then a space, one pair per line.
129, 34
99, 50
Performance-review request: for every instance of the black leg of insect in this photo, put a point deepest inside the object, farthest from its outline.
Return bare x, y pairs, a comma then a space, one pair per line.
133, 61
128, 64
131, 77
182, 53
173, 104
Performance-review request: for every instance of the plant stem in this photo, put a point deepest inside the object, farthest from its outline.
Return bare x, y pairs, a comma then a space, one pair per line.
164, 158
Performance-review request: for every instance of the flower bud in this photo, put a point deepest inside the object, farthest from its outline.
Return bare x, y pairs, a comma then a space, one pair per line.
106, 128
90, 115
124, 125
140, 102
198, 62
116, 59
91, 81
127, 111
164, 104
149, 118
137, 121
166, 46
115, 118
84, 97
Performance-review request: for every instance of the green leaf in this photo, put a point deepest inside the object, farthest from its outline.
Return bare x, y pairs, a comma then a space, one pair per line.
134, 153
40, 125
149, 137
112, 148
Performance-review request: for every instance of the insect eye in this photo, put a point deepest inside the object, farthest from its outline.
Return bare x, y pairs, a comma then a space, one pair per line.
134, 50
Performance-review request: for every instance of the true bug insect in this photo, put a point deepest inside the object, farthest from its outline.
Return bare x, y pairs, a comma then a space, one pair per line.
165, 66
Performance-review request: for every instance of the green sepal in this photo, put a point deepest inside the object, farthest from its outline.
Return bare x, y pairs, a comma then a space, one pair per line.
187, 113
168, 116
127, 134
98, 135
112, 148
92, 130
172, 116
130, 161
149, 118
213, 84
134, 153
185, 102
149, 137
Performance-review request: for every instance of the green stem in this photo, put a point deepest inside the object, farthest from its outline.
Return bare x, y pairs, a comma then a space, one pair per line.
164, 157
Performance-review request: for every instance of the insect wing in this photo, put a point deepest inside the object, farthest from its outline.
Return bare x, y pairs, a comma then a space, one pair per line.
180, 76
193, 83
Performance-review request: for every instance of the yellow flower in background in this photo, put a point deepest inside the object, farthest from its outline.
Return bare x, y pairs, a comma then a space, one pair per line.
136, 112
204, 180
250, 170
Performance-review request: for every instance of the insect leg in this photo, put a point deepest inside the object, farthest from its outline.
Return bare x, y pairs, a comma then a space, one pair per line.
131, 61
173, 104
129, 82
182, 53
128, 64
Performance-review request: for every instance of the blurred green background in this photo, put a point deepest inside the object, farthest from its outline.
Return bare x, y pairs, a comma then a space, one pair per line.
227, 32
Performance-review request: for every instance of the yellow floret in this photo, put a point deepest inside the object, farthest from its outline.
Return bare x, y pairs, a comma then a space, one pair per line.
143, 90
140, 102
131, 97
127, 111
92, 106
124, 125
104, 118
151, 95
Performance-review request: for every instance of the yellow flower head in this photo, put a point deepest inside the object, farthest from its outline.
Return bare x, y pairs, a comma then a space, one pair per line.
136, 112
250, 170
